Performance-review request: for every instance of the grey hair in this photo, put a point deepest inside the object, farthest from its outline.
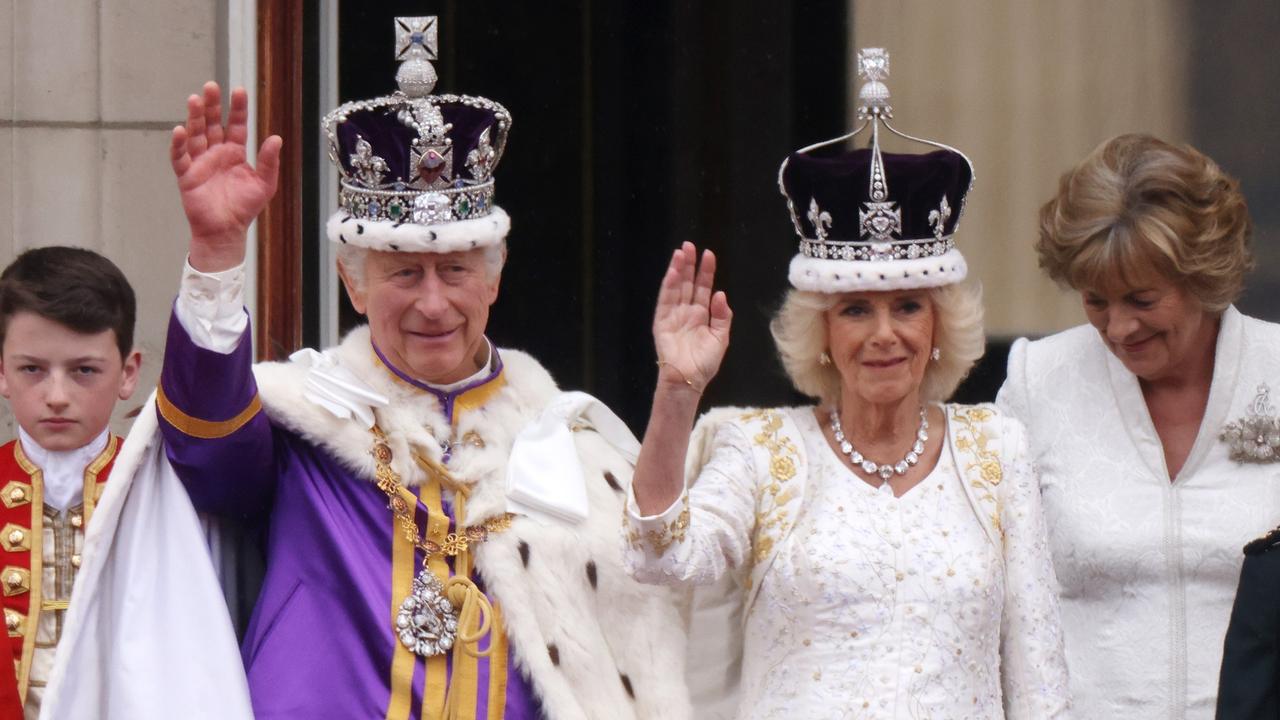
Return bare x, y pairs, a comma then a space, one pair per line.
799, 330
353, 259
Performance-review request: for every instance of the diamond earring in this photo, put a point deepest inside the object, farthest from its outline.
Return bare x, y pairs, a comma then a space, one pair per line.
824, 359
935, 354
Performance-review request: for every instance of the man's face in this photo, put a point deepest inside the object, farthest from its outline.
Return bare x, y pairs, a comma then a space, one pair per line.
427, 311
61, 384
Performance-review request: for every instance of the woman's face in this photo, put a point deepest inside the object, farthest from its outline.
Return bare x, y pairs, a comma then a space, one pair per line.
1153, 326
880, 343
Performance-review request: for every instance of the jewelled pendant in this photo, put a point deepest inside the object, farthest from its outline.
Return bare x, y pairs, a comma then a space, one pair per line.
427, 622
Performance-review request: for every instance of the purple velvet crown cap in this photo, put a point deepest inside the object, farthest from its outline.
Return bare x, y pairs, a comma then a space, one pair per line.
391, 139
841, 186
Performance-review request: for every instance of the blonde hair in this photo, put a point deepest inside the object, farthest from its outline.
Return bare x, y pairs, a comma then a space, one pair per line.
799, 330
1136, 205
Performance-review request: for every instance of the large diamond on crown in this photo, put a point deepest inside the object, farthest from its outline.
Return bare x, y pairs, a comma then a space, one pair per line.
432, 208
879, 221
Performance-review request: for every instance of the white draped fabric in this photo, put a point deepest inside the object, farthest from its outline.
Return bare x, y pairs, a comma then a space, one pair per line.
148, 636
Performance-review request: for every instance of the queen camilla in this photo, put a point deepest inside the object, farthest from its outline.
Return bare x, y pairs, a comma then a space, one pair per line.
888, 546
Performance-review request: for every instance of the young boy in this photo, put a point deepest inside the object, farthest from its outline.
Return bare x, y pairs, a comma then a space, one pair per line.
66, 357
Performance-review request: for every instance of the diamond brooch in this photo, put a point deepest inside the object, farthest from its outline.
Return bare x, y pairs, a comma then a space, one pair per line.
1254, 438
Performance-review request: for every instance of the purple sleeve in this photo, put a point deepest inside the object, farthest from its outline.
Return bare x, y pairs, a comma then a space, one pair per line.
216, 435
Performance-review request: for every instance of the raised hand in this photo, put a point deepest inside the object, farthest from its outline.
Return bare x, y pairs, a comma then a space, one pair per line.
691, 323
221, 192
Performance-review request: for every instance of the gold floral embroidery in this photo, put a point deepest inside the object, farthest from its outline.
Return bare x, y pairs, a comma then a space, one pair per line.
984, 469
782, 469
661, 539
772, 519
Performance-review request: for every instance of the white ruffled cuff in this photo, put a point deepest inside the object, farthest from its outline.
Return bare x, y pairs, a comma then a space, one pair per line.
210, 307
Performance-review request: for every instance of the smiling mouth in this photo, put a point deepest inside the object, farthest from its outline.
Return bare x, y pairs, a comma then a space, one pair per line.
1132, 347
883, 363
432, 335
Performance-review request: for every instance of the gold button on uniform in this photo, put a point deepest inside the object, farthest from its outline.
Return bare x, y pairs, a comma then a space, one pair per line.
77, 520
75, 560
13, 621
15, 493
17, 580
15, 538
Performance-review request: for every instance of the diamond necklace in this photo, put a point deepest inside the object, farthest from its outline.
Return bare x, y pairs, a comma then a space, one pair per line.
886, 470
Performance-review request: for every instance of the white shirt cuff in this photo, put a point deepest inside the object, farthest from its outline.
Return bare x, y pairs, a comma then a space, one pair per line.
210, 307
665, 517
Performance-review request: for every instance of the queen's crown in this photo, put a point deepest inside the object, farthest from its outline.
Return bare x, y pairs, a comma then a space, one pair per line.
868, 205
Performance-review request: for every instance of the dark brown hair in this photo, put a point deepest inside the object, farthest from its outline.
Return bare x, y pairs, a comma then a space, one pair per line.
71, 286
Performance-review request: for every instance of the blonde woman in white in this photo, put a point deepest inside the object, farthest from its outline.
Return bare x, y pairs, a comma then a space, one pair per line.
889, 548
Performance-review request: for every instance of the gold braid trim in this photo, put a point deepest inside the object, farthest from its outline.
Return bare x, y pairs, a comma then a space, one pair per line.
203, 429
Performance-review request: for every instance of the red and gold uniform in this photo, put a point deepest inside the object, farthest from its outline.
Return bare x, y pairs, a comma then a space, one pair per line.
36, 577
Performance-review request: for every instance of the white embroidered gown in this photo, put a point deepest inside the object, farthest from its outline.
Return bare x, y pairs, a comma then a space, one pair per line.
875, 607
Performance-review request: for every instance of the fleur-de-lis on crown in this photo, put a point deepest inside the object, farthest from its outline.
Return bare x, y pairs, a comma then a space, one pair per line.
820, 219
938, 218
480, 159
369, 167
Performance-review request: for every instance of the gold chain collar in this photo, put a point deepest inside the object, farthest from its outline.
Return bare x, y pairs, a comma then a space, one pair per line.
455, 542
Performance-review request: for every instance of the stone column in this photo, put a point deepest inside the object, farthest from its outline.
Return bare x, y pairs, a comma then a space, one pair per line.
89, 92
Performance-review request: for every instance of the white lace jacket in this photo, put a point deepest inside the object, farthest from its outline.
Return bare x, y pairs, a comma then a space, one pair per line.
939, 604
1148, 567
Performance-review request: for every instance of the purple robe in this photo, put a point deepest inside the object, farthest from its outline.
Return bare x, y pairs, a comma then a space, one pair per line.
320, 643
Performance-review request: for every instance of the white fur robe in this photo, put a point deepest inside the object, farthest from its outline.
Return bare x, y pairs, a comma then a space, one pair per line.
594, 643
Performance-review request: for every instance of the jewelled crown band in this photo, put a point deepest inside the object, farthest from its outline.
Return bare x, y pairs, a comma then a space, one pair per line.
416, 169
875, 220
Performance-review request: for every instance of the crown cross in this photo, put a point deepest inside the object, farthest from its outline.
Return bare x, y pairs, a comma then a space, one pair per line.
873, 64
416, 36
880, 221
